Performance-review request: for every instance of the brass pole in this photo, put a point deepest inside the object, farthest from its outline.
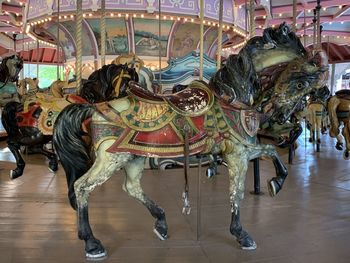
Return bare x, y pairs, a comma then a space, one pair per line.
103, 32
78, 37
201, 41
218, 59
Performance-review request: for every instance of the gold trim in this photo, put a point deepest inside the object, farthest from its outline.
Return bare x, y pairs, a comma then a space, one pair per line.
97, 144
130, 110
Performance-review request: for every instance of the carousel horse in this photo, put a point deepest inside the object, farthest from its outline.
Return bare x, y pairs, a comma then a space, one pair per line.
27, 88
30, 123
316, 116
270, 75
146, 76
10, 68
338, 110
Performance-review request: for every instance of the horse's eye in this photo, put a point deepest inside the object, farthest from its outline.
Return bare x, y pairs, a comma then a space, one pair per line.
300, 86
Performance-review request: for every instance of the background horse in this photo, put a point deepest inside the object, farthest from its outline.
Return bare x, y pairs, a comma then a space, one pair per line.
27, 88
338, 110
30, 123
10, 68
95, 142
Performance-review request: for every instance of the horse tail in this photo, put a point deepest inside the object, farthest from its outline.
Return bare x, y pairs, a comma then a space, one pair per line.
9, 120
70, 146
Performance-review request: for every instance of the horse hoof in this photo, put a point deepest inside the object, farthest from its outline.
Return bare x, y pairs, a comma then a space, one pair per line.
246, 242
161, 236
310, 140
252, 246
210, 172
346, 155
339, 146
14, 174
273, 187
52, 170
99, 256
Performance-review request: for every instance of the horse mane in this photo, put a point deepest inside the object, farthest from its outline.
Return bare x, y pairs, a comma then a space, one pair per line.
100, 84
238, 79
3, 68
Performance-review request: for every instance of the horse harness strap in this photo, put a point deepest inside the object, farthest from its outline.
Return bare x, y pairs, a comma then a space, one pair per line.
119, 79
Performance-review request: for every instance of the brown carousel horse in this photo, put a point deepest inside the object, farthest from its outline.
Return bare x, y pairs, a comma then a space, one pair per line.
30, 123
95, 141
338, 110
317, 116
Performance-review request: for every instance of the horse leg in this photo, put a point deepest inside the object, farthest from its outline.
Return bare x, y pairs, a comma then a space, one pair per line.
275, 184
132, 185
53, 161
105, 165
318, 124
237, 168
15, 150
213, 165
346, 135
339, 144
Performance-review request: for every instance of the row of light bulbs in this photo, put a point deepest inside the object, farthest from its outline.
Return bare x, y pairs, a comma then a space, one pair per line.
40, 41
165, 17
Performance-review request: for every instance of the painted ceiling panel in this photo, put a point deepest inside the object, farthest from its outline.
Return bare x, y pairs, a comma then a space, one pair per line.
186, 39
146, 35
116, 35
87, 45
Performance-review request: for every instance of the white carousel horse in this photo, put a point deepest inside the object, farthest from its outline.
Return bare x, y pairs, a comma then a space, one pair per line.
95, 141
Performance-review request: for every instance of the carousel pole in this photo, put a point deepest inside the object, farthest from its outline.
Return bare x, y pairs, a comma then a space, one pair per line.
201, 42
79, 27
294, 25
160, 42
103, 32
318, 8
255, 161
201, 35
58, 39
252, 18
304, 28
37, 58
218, 54
314, 36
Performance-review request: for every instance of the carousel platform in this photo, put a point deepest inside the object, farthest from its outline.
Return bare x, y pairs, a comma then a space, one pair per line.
309, 220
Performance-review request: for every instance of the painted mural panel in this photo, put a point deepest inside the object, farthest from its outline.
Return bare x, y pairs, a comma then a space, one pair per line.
116, 35
65, 40
87, 46
147, 36
186, 39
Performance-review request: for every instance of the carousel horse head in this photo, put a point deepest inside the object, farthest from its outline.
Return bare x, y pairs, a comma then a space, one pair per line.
272, 74
10, 68
107, 83
131, 60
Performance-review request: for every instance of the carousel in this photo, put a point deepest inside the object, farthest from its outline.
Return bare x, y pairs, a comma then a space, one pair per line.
185, 106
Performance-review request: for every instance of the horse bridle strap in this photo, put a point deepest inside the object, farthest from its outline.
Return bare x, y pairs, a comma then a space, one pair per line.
119, 82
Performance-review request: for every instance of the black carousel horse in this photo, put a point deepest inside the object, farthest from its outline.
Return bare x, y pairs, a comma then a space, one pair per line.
93, 143
30, 124
10, 68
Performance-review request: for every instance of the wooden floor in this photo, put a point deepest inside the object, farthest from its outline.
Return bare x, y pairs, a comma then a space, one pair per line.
309, 221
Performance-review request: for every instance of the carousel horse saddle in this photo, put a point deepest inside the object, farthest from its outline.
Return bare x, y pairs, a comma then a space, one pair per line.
191, 101
48, 102
343, 94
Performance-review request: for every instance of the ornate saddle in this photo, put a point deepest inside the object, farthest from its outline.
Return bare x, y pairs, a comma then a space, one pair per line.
343, 94
192, 101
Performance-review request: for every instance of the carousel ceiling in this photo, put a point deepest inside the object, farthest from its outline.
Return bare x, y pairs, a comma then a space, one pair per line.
34, 27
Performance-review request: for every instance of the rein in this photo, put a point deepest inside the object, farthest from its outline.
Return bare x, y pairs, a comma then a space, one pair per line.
119, 82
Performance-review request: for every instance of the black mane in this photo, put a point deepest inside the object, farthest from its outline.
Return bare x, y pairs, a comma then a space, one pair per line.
100, 85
